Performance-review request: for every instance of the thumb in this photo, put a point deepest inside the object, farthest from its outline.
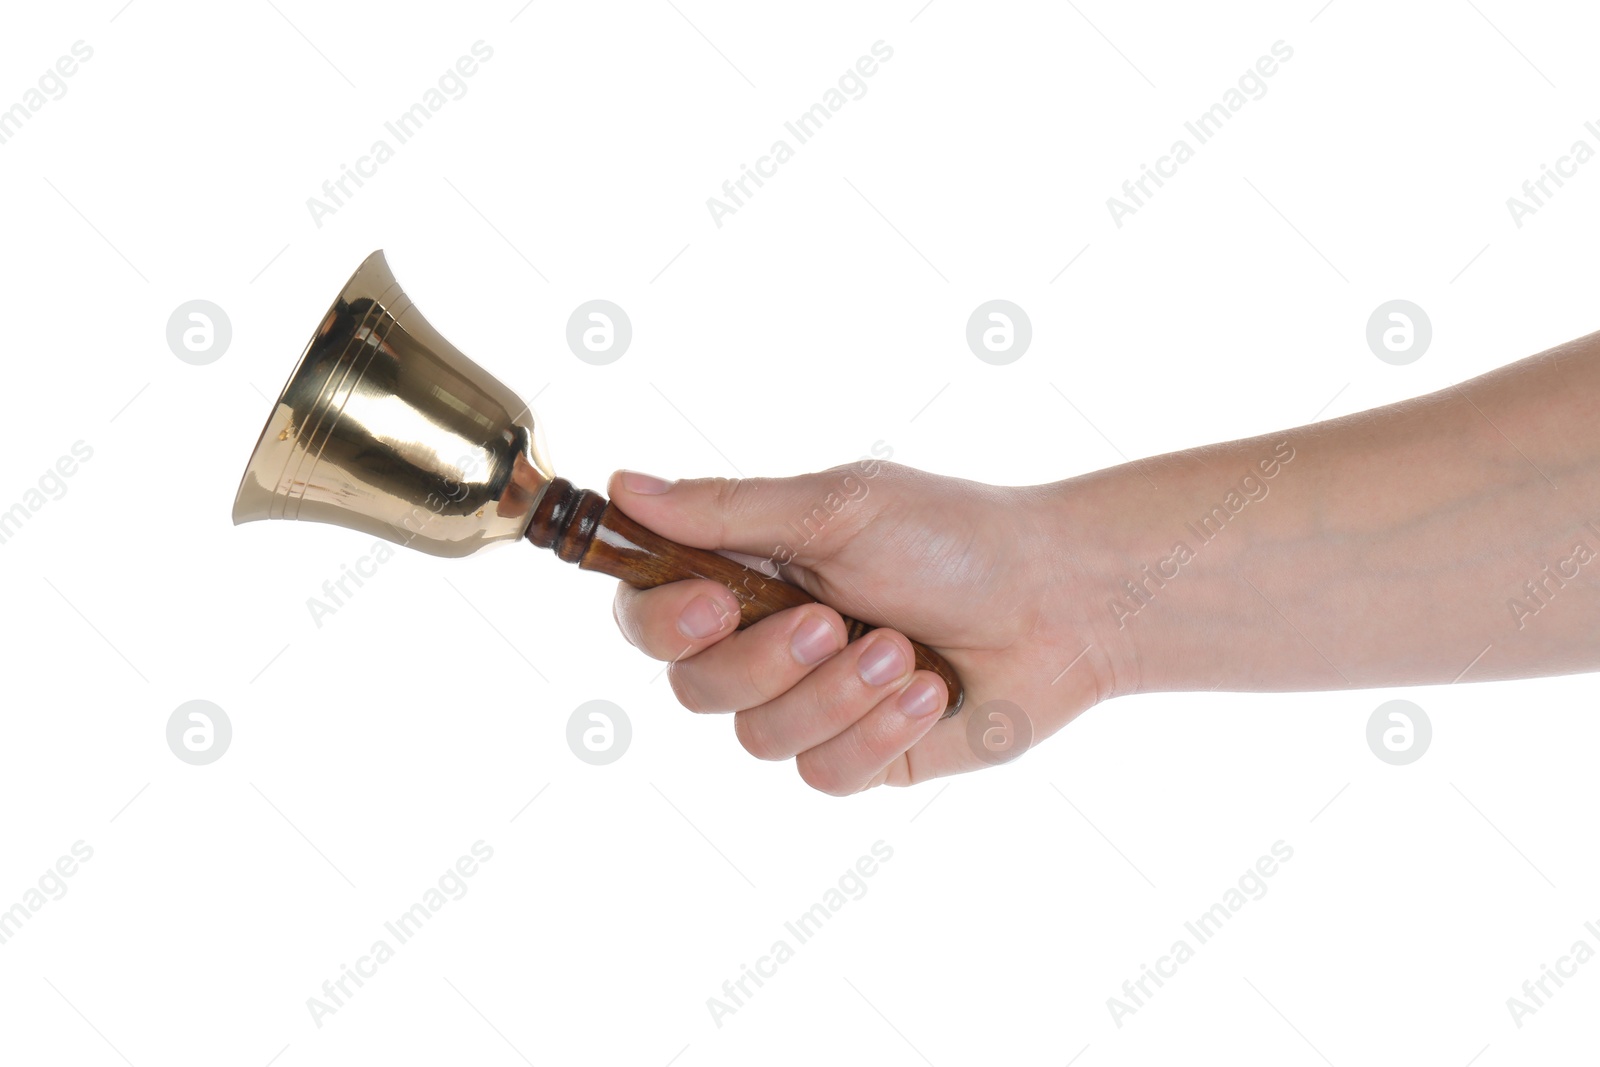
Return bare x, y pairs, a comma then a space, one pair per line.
802, 519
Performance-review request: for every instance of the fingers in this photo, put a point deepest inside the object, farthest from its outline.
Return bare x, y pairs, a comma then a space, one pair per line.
675, 620
861, 756
847, 715
760, 663
715, 669
830, 700
754, 514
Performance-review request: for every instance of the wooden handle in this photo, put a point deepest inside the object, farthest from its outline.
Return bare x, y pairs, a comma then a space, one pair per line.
582, 527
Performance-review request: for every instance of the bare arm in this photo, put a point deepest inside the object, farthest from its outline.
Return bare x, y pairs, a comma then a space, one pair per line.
1450, 537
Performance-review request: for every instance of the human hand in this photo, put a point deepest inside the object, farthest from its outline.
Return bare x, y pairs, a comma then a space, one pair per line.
968, 569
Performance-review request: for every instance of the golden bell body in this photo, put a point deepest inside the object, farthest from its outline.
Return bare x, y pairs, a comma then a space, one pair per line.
386, 427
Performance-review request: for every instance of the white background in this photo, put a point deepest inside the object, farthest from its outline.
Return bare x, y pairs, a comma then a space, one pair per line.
827, 314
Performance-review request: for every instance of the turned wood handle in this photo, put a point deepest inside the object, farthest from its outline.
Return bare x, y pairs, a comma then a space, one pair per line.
582, 527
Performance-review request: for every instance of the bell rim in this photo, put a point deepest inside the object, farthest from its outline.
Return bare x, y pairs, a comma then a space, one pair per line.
239, 514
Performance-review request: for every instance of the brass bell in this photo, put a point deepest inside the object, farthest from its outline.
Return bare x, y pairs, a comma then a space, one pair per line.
386, 428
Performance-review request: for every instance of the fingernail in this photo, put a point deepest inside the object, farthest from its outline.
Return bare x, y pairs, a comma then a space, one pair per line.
920, 699
814, 642
882, 663
647, 484
702, 618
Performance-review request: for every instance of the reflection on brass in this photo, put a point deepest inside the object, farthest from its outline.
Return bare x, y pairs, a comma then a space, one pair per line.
385, 427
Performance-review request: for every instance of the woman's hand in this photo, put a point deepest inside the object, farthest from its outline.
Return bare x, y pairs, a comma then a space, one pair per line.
971, 570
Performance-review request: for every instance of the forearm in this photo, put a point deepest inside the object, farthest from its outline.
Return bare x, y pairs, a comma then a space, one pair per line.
1453, 536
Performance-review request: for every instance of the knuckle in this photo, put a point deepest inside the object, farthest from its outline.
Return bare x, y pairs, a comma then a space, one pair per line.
869, 745
824, 777
822, 696
754, 739
879, 747
727, 494
755, 683
688, 693
766, 663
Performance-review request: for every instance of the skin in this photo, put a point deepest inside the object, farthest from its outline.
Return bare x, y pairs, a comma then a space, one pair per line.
1450, 537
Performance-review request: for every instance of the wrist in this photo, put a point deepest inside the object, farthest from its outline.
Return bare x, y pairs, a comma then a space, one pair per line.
1154, 557
1091, 529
